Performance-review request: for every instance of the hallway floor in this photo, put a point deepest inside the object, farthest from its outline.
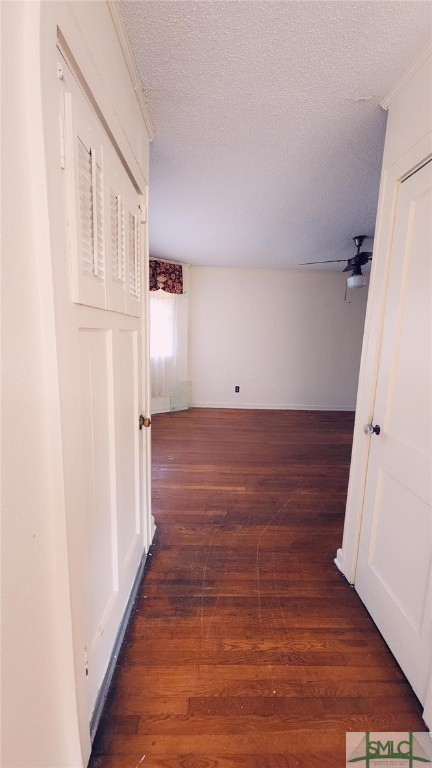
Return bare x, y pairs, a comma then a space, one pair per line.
247, 647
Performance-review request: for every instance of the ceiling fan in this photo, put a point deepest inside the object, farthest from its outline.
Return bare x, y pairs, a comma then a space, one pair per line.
354, 265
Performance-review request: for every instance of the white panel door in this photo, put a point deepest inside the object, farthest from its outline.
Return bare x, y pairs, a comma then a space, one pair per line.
114, 531
98, 446
394, 565
129, 531
104, 317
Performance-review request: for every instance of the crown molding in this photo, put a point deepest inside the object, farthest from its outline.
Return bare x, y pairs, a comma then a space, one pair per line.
421, 57
116, 16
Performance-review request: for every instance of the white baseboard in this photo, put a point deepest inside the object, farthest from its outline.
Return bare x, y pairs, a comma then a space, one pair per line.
106, 682
275, 407
160, 405
338, 560
427, 714
160, 409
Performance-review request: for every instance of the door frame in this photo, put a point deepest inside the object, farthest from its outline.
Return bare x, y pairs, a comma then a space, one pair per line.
149, 526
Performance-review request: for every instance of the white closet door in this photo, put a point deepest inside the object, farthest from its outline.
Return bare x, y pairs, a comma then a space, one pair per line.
394, 566
109, 536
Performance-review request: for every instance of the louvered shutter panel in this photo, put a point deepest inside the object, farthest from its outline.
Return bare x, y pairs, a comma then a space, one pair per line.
91, 213
114, 234
86, 208
134, 265
122, 243
117, 284
132, 255
117, 237
84, 141
99, 245
138, 258
105, 222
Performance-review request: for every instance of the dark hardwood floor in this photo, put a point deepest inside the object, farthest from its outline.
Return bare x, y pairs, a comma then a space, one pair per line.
247, 647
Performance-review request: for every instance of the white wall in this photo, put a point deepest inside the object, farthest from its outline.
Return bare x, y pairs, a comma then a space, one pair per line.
39, 720
286, 338
42, 720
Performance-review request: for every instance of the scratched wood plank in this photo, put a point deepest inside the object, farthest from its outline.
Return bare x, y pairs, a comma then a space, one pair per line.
287, 760
226, 587
257, 658
344, 696
297, 640
163, 627
313, 707
247, 648
268, 680
246, 743
250, 742
239, 723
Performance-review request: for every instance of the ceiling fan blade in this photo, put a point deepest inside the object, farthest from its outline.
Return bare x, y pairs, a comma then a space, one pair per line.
329, 261
348, 269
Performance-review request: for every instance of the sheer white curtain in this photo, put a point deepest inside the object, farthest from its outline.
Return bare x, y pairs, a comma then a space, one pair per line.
163, 343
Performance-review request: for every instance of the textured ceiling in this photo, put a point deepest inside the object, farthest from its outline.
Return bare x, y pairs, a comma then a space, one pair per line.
269, 133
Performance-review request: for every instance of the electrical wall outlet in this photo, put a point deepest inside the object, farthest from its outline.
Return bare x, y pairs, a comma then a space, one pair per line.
236, 389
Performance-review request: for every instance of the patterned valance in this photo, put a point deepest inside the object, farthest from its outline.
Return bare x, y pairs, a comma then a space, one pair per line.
166, 276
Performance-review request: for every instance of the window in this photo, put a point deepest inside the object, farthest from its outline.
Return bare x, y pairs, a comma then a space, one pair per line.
161, 324
163, 343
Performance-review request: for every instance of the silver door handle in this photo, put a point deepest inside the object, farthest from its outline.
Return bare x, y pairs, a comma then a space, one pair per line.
369, 429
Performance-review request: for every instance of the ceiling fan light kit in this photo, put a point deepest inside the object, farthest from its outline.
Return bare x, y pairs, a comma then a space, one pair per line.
356, 281
354, 265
